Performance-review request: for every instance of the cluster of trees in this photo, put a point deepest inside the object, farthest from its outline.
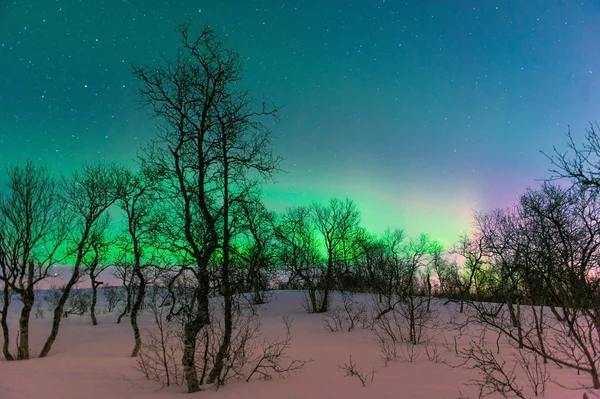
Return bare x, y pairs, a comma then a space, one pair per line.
194, 190
193, 220
542, 258
193, 223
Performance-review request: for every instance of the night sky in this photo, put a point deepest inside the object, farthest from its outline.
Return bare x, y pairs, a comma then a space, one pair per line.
420, 111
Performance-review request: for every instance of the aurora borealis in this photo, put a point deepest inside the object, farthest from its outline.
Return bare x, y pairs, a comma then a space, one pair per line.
420, 111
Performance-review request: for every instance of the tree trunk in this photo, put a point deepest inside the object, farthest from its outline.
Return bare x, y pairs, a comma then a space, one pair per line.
412, 320
95, 285
258, 298
257, 286
27, 297
595, 377
429, 290
312, 300
327, 287
215, 374
128, 290
539, 329
188, 360
324, 305
3, 320
59, 310
515, 317
137, 305
191, 329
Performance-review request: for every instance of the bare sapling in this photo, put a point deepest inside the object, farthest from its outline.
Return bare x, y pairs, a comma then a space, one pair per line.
123, 271
79, 302
52, 296
535, 369
138, 201
494, 374
39, 310
95, 262
347, 315
351, 369
248, 355
433, 352
244, 332
113, 296
272, 358
159, 355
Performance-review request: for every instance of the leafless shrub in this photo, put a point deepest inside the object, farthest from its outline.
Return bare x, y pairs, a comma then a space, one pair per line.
410, 351
408, 321
39, 311
347, 315
159, 355
352, 370
418, 321
544, 251
114, 296
52, 297
316, 300
495, 376
388, 349
270, 356
367, 322
451, 347
245, 330
248, 355
387, 331
79, 302
389, 325
535, 370
334, 319
433, 353
353, 309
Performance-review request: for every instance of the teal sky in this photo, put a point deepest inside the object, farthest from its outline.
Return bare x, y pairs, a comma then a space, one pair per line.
421, 111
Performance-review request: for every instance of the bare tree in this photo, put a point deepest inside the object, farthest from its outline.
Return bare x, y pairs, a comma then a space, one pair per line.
255, 249
6, 299
245, 148
403, 282
123, 270
32, 230
158, 356
385, 266
494, 375
471, 251
88, 194
137, 200
351, 369
113, 295
210, 141
298, 251
337, 224
95, 261
580, 163
547, 253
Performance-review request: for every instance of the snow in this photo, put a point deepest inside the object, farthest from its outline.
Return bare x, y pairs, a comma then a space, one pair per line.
92, 362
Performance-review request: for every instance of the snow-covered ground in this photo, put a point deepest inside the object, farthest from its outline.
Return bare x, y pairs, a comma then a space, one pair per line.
92, 362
